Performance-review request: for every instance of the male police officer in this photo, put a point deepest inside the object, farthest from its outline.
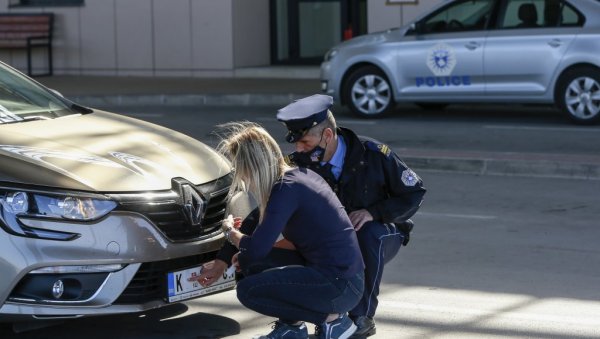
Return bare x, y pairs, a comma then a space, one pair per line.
379, 192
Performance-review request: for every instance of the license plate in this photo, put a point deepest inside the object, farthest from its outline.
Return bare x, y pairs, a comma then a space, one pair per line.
179, 288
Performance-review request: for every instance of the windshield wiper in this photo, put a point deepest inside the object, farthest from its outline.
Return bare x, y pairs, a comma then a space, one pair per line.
81, 109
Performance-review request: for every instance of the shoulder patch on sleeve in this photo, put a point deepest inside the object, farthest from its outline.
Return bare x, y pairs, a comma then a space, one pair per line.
377, 147
409, 178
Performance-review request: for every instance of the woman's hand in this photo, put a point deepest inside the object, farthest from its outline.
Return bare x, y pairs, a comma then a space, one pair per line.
231, 222
227, 223
359, 218
230, 227
211, 272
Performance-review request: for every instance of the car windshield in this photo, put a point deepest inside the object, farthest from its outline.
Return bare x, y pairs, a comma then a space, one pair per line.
23, 100
460, 16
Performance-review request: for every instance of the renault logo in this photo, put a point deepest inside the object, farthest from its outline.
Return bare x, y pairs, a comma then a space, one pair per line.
193, 204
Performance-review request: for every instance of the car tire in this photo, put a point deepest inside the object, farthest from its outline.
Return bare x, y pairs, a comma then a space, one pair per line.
431, 106
578, 95
368, 93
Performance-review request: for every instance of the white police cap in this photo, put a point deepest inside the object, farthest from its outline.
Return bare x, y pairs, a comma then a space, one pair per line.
303, 114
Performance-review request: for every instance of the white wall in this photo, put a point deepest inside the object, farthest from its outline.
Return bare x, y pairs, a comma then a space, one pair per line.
143, 37
97, 52
213, 37
251, 33
134, 46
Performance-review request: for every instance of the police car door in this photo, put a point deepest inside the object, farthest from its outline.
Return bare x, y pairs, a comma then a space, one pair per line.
443, 54
522, 53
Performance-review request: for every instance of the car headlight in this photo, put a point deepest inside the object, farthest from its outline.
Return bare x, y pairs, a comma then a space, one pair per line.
72, 208
331, 54
19, 204
26, 204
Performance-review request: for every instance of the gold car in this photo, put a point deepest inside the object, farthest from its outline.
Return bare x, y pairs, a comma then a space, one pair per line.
100, 213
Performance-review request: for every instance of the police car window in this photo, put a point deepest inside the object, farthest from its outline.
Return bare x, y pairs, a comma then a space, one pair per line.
538, 14
570, 17
461, 16
522, 14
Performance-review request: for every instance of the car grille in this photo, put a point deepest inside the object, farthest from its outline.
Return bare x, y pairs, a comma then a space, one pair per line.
165, 210
150, 281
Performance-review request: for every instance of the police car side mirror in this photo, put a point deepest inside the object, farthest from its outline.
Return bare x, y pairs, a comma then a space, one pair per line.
414, 29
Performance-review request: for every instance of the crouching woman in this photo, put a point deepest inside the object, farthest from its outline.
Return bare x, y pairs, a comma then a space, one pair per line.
298, 205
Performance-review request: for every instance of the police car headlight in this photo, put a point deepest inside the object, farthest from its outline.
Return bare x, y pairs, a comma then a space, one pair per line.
331, 54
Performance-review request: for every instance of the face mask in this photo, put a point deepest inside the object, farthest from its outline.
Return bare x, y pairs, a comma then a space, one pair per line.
311, 157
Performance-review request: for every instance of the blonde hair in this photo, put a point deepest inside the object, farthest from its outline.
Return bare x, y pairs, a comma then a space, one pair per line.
256, 159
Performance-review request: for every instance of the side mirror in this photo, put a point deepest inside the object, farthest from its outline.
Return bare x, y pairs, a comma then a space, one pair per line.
413, 29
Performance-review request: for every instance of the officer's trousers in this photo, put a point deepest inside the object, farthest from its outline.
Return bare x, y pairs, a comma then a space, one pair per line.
379, 243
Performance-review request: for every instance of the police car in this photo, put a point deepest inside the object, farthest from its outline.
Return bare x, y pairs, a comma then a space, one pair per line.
517, 51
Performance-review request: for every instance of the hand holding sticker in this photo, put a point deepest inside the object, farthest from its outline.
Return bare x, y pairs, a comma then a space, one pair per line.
228, 223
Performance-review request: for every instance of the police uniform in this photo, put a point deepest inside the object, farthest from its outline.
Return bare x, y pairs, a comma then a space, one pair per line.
374, 178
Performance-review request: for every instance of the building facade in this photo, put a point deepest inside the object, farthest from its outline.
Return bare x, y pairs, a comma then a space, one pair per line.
206, 38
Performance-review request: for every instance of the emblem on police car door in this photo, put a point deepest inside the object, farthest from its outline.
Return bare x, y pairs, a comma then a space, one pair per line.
409, 178
441, 59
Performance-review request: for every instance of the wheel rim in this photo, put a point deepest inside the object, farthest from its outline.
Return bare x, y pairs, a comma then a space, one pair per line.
371, 94
582, 98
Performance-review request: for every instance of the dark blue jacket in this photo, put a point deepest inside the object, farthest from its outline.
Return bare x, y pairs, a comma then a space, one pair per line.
303, 208
374, 178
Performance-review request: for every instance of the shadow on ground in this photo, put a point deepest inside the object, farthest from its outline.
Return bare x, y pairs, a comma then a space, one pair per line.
166, 322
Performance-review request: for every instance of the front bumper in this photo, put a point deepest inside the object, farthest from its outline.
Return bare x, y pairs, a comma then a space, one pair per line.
126, 238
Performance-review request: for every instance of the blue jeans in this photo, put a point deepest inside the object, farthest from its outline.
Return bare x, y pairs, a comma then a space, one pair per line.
276, 258
293, 293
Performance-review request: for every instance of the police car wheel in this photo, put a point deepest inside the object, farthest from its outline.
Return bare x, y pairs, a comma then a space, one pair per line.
368, 93
578, 95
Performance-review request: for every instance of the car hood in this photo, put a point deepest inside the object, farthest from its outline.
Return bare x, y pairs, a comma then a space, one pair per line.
103, 152
375, 38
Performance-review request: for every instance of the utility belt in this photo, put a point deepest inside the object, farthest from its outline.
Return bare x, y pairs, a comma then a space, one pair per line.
405, 228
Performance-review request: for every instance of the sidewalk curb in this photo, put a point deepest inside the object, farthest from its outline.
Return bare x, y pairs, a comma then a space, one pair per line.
536, 168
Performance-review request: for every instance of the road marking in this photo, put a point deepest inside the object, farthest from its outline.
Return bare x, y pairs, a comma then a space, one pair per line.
462, 216
537, 128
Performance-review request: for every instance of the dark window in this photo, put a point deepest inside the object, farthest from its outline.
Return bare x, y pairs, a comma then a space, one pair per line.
460, 16
539, 13
42, 3
570, 17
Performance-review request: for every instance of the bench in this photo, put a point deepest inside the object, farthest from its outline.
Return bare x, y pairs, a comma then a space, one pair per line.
26, 31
